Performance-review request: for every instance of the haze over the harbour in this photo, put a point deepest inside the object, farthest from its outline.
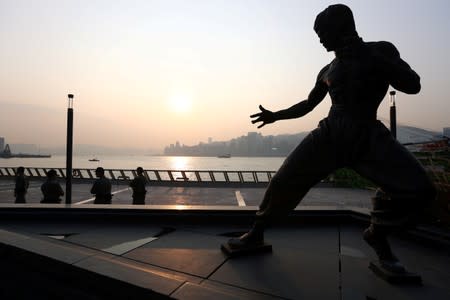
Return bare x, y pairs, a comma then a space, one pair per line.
148, 73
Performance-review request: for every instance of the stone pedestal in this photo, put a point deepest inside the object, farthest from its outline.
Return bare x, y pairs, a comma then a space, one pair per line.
395, 278
230, 252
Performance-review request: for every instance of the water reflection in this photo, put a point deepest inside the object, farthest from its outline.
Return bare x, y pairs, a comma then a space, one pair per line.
179, 207
130, 162
179, 162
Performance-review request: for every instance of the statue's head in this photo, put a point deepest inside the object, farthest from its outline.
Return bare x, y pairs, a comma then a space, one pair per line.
334, 26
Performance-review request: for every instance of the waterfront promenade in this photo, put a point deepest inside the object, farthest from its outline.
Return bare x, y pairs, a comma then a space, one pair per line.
207, 195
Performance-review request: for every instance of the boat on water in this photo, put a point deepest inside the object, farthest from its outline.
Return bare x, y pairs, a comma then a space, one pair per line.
224, 156
94, 159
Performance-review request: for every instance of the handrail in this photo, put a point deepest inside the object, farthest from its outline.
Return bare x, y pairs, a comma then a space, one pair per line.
162, 176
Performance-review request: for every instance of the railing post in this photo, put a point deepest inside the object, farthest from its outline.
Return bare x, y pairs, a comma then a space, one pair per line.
197, 174
111, 174
158, 177
255, 177
225, 174
241, 178
211, 175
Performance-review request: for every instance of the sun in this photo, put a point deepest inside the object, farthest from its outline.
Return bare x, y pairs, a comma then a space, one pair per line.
180, 103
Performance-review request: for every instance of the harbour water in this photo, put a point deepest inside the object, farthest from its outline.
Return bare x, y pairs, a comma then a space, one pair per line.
152, 162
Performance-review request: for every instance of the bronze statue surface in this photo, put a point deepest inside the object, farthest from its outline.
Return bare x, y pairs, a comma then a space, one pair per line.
357, 80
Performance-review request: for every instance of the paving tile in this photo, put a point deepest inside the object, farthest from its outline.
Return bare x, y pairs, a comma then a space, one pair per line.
49, 228
144, 276
358, 281
191, 196
183, 251
214, 229
117, 239
292, 273
158, 270
123, 248
432, 263
317, 238
209, 290
57, 250
9, 237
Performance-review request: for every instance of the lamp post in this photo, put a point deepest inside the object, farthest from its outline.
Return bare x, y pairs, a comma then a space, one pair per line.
393, 114
69, 145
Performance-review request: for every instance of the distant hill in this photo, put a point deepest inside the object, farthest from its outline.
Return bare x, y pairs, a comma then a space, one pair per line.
409, 134
255, 144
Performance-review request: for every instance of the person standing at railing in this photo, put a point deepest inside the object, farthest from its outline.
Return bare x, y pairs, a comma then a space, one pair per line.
101, 188
350, 136
21, 185
138, 185
51, 189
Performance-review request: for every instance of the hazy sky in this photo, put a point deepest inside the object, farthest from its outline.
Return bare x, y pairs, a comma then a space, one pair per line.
149, 73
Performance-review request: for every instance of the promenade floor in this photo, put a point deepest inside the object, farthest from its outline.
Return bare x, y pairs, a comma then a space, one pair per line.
176, 195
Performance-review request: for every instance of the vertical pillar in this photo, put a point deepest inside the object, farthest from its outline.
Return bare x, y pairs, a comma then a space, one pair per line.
393, 114
69, 146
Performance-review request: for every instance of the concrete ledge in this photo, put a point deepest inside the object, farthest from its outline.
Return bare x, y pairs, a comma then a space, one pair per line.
74, 270
165, 213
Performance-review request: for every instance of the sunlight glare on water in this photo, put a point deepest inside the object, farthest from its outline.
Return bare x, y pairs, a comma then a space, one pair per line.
131, 162
178, 162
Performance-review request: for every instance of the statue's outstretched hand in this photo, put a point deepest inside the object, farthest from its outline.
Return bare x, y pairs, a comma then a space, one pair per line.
265, 116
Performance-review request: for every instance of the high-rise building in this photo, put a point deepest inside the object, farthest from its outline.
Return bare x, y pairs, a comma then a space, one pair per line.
2, 144
252, 140
447, 132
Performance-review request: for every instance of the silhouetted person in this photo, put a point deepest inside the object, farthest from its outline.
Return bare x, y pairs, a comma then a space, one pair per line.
21, 185
138, 185
101, 188
357, 80
51, 189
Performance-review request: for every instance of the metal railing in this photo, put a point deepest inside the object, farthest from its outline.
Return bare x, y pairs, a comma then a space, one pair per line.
153, 176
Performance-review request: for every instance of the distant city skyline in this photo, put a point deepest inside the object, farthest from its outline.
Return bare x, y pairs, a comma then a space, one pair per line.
148, 73
250, 144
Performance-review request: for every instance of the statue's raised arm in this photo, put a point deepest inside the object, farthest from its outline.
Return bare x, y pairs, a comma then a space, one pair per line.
298, 110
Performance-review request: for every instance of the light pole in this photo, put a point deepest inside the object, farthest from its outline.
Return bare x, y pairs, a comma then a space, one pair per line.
69, 145
393, 113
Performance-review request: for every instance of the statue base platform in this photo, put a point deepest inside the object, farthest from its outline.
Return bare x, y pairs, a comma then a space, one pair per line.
230, 252
393, 277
